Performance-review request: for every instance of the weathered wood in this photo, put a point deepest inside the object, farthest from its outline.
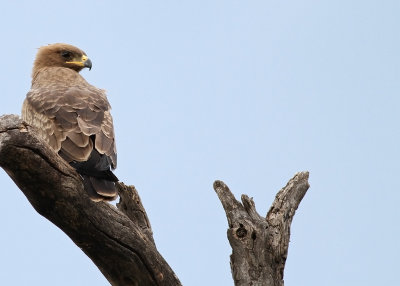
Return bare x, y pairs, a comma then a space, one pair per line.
260, 244
119, 241
131, 205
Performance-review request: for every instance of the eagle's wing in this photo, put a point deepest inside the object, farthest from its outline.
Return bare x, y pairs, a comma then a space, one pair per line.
73, 120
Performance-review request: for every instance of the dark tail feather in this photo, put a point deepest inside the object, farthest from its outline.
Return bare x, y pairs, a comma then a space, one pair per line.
99, 180
100, 190
103, 187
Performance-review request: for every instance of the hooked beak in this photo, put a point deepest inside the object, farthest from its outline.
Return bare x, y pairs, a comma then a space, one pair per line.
88, 64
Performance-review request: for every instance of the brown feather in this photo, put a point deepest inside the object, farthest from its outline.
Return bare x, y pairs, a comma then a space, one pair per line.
103, 144
87, 127
75, 152
79, 139
87, 114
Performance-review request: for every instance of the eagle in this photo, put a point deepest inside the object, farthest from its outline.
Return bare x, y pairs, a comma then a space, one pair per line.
73, 117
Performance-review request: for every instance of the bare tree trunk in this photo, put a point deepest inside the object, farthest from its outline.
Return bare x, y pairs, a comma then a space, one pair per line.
260, 244
120, 240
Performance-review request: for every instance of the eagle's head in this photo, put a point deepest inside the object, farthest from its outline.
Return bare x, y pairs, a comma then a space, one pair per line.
61, 55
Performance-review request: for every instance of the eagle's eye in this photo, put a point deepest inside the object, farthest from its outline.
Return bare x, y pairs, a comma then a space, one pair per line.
66, 54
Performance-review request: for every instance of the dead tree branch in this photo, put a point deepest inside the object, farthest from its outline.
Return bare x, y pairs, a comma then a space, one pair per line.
260, 244
119, 241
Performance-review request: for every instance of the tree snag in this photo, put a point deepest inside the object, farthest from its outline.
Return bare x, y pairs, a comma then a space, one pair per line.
260, 244
120, 240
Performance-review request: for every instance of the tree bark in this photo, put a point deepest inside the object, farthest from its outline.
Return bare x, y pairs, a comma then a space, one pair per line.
260, 244
120, 240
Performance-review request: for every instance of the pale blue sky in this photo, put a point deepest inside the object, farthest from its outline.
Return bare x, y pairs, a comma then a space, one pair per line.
249, 92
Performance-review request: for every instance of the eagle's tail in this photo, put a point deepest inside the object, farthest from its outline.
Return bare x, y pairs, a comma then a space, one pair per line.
100, 189
98, 180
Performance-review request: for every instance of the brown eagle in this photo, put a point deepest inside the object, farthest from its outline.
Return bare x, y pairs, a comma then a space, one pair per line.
73, 117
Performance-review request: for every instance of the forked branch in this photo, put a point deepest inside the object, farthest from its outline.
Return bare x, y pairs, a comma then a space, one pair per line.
260, 244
